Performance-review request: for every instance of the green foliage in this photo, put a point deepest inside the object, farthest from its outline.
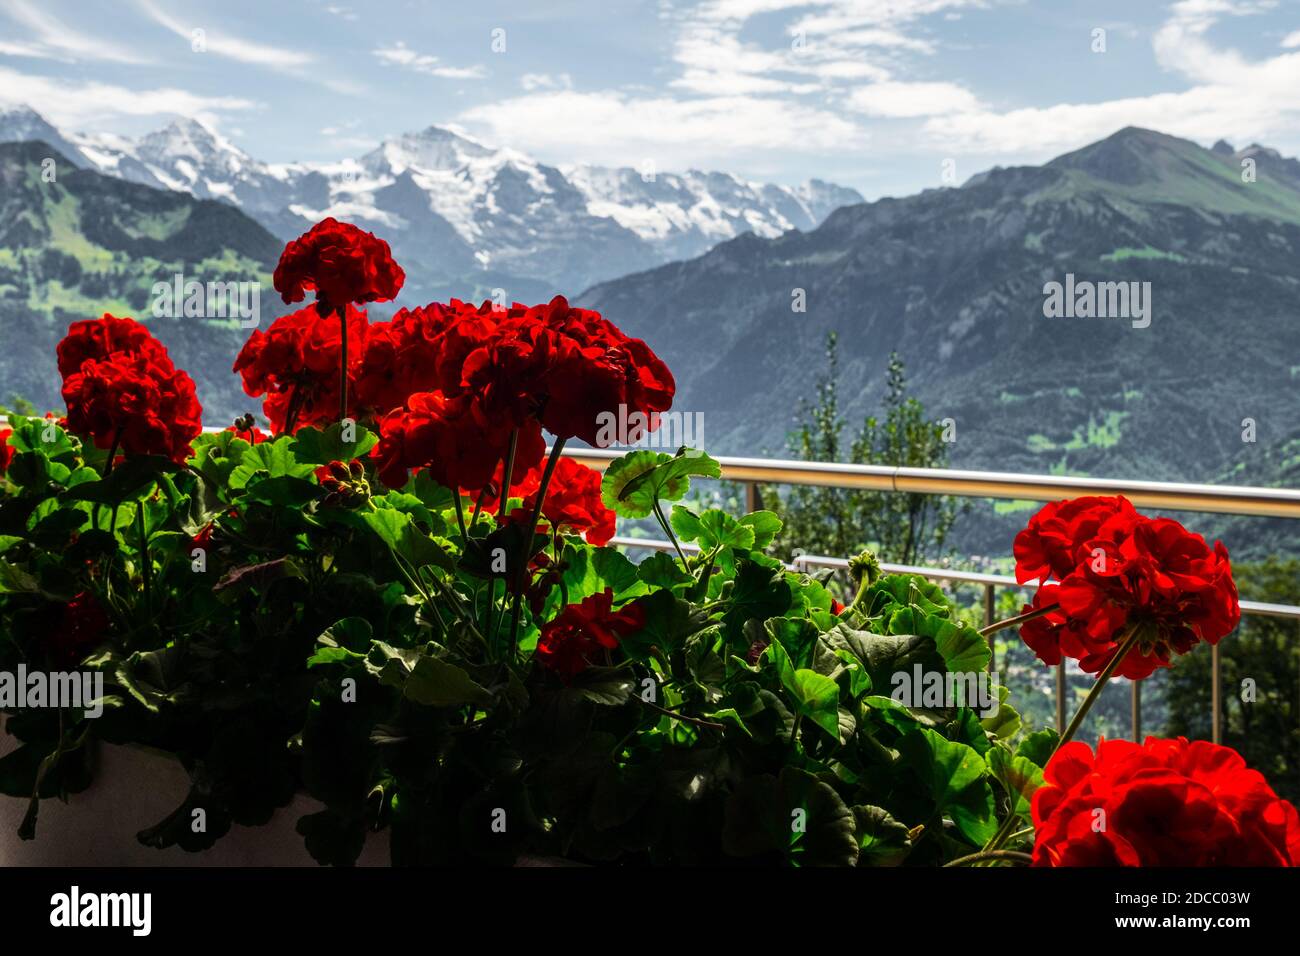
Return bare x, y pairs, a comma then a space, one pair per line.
900, 528
275, 643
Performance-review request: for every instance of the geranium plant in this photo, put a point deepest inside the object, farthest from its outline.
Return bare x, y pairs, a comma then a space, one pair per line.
402, 603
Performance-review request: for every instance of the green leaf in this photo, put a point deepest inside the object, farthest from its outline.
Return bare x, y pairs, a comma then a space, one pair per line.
796, 815
712, 529
956, 779
608, 686
1038, 747
963, 649
633, 483
884, 655
882, 840
1018, 776
436, 683
269, 459
320, 447
397, 530
661, 570
766, 526
124, 482
1006, 722
813, 695
901, 590
760, 591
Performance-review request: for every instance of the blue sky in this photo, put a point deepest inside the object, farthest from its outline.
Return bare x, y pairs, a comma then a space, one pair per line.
875, 94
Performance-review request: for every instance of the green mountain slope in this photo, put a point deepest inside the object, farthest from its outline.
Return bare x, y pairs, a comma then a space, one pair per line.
84, 243
954, 280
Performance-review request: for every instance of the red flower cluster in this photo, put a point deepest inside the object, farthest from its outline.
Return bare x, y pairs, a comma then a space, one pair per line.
1163, 803
452, 438
121, 388
6, 450
1116, 570
581, 632
573, 503
295, 364
523, 368
343, 264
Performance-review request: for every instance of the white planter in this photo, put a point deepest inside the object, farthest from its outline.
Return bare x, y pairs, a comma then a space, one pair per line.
134, 789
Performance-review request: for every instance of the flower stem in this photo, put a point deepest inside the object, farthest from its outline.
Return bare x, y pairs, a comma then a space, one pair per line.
668, 530
460, 517
343, 360
1012, 856
525, 547
1018, 619
146, 569
1125, 645
507, 475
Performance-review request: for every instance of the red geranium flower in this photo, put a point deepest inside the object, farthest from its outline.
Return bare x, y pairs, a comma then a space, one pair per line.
121, 388
6, 450
343, 264
1050, 545
1125, 572
1163, 803
452, 439
295, 364
582, 632
573, 503
100, 338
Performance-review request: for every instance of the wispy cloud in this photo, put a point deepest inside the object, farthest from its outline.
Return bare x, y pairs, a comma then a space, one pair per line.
218, 42
618, 129
91, 104
399, 54
1232, 96
58, 40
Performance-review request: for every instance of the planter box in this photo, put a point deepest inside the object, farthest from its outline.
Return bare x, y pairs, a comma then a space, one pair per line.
134, 789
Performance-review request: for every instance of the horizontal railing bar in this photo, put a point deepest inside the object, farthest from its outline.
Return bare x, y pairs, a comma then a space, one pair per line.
804, 561
1173, 496
1249, 500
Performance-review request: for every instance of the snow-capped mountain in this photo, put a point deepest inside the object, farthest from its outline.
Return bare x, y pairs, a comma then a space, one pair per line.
464, 217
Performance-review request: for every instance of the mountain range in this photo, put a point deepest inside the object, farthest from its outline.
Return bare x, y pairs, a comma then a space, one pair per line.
956, 281
464, 218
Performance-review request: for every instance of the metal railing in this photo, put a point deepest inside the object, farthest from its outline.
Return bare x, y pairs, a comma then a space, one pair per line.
1165, 496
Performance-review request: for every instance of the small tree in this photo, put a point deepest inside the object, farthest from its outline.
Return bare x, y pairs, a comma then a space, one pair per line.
899, 527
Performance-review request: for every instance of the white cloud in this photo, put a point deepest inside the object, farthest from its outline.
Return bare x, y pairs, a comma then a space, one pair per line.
894, 100
399, 54
546, 81
55, 36
1291, 40
216, 42
617, 129
89, 104
227, 45
32, 50
1232, 97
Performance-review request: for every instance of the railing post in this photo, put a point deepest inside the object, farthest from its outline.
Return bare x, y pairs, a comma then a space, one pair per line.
753, 500
1135, 697
988, 622
1060, 697
1216, 696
